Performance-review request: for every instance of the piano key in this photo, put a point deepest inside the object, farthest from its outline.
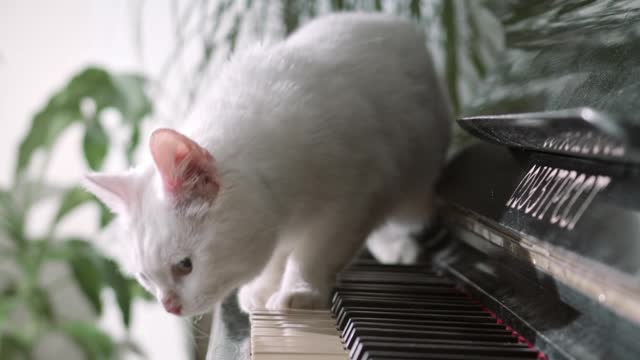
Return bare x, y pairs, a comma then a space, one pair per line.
344, 315
401, 289
396, 355
441, 341
353, 301
295, 334
417, 324
426, 350
379, 313
430, 333
506, 337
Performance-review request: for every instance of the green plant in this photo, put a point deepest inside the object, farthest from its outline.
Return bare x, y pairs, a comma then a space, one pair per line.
26, 311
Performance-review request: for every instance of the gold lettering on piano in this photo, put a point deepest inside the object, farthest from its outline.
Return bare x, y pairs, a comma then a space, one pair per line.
556, 195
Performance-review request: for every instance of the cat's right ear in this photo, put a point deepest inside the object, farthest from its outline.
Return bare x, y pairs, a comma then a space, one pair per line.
115, 191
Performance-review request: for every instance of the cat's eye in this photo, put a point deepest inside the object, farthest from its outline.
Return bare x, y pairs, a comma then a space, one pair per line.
182, 268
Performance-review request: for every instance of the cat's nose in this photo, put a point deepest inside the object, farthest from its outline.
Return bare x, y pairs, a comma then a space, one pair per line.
171, 303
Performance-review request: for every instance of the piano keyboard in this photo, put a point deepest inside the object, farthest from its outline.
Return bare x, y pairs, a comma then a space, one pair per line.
385, 312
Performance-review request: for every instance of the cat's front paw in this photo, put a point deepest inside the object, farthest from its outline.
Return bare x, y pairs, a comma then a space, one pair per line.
307, 299
252, 297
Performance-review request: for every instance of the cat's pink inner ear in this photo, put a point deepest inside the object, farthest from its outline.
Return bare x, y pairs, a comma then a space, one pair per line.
187, 169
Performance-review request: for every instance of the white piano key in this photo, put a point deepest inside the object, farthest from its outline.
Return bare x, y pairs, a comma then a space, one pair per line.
295, 334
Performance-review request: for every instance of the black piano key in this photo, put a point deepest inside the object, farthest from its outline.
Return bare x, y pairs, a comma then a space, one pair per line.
402, 289
453, 298
343, 317
363, 329
339, 298
403, 279
344, 313
426, 350
398, 355
414, 304
441, 341
417, 324
401, 312
422, 269
505, 337
399, 309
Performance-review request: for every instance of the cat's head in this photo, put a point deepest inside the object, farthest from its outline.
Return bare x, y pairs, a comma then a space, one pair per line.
191, 237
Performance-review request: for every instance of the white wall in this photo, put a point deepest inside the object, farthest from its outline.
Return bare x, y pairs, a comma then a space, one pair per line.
42, 43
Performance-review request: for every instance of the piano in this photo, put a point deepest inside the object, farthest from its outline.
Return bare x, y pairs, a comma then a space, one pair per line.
537, 250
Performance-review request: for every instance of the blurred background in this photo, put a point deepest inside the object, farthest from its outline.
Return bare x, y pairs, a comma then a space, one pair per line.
81, 85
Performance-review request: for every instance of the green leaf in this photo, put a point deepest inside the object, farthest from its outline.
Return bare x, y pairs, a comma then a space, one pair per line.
13, 347
106, 215
134, 140
290, 15
45, 128
6, 309
71, 199
94, 87
132, 102
451, 51
337, 5
415, 8
138, 291
12, 218
94, 342
95, 145
87, 270
39, 304
121, 287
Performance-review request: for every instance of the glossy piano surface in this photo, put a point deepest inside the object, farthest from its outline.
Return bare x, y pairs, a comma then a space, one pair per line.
568, 80
557, 241
565, 54
590, 208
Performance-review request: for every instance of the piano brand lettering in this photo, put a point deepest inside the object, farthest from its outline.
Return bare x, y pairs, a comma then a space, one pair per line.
556, 195
585, 143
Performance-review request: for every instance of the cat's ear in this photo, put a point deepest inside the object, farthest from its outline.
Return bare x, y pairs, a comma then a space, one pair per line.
114, 190
187, 169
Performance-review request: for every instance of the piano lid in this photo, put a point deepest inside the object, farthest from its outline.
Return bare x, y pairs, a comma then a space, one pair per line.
568, 81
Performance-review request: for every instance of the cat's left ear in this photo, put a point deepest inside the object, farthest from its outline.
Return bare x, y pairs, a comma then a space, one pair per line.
187, 169
114, 190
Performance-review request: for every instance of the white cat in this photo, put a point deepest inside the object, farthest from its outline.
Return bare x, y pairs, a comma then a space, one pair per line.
298, 152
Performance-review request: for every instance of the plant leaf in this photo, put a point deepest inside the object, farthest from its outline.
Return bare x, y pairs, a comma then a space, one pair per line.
138, 291
132, 103
13, 347
39, 303
95, 144
290, 15
106, 215
134, 140
92, 86
87, 271
451, 51
95, 343
121, 287
415, 9
46, 126
71, 199
6, 309
11, 219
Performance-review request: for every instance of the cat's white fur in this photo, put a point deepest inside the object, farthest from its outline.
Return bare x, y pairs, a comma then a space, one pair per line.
316, 142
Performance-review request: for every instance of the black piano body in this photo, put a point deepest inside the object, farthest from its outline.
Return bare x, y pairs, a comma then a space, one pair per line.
542, 211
